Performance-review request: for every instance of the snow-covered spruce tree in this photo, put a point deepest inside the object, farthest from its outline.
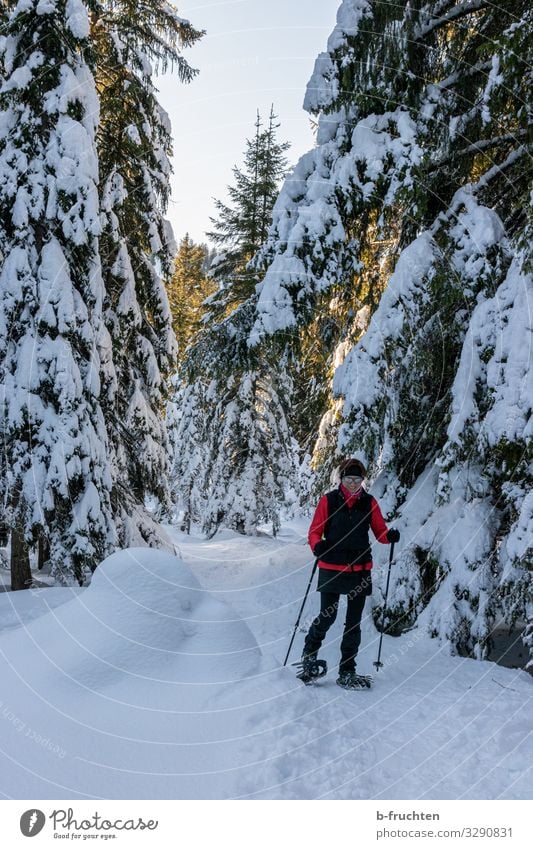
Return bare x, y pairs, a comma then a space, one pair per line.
249, 446
233, 458
188, 289
57, 474
436, 391
132, 41
453, 363
233, 451
338, 210
186, 416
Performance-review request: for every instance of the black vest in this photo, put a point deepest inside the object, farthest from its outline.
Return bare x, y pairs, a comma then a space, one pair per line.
346, 530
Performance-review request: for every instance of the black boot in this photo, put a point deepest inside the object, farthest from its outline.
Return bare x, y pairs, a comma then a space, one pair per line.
311, 668
353, 681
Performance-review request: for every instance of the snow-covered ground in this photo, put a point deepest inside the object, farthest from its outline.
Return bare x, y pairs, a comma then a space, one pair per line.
163, 679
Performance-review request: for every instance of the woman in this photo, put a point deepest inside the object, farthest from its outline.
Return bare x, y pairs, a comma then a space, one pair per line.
339, 538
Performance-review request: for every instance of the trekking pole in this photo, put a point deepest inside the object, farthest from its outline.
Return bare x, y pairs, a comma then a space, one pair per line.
300, 613
377, 663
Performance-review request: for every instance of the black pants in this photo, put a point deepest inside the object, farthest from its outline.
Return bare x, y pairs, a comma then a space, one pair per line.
329, 605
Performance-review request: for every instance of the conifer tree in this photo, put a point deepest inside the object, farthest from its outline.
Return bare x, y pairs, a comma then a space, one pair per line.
187, 414
132, 41
232, 452
250, 446
242, 225
58, 478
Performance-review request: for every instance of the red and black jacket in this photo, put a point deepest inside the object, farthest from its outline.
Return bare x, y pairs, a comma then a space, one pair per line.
344, 522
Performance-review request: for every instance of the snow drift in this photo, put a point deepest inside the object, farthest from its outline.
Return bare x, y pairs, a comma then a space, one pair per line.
116, 683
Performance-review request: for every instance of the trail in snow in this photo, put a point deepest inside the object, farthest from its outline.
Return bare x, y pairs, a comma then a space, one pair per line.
163, 680
433, 726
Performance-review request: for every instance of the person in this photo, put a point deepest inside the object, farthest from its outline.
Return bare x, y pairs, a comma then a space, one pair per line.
339, 539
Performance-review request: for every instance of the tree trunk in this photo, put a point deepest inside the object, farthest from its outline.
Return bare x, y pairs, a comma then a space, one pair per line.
187, 513
186, 522
43, 552
20, 561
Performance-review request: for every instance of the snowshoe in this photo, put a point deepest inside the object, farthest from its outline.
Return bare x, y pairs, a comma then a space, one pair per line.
353, 681
310, 669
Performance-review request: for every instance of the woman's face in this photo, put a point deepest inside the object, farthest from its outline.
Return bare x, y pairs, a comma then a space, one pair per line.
353, 483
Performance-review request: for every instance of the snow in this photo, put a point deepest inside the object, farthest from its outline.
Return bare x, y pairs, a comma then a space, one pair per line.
19, 609
18, 79
358, 379
45, 7
497, 352
509, 374
77, 19
323, 87
163, 679
494, 79
521, 535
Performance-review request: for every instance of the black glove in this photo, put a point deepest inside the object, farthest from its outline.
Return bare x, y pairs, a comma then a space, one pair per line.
393, 535
320, 548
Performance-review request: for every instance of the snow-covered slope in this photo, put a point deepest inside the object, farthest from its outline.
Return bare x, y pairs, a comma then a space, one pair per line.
164, 680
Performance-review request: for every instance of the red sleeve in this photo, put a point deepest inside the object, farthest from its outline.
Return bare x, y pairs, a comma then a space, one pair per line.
377, 523
316, 529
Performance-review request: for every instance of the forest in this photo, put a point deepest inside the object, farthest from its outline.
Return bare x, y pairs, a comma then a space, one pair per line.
371, 300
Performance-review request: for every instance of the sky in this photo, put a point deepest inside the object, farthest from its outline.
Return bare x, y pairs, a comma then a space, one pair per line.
255, 53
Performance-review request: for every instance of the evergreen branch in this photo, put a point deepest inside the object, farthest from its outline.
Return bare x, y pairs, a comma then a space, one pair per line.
477, 147
463, 74
453, 15
496, 170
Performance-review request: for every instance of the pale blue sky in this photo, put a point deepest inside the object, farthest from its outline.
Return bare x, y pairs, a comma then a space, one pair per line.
254, 53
